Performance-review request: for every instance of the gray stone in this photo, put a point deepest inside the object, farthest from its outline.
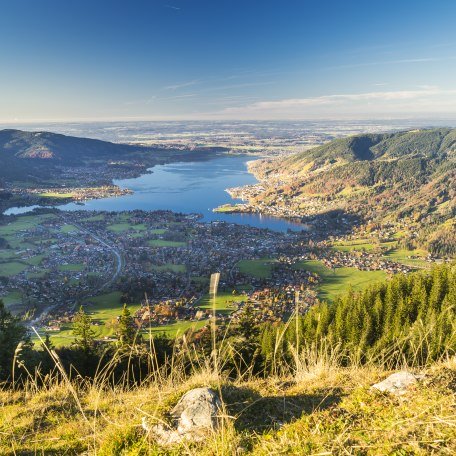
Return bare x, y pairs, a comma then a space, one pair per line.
195, 415
398, 383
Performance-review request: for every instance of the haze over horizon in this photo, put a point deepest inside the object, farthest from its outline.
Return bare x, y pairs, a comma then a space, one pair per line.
226, 60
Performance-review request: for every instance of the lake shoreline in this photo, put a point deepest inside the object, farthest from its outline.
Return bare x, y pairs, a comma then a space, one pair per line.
188, 187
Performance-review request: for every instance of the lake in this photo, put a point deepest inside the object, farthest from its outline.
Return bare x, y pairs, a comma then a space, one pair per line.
190, 187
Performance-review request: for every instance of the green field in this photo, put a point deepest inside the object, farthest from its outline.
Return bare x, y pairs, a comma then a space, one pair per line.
158, 231
24, 223
12, 268
223, 302
200, 280
19, 244
94, 218
124, 216
393, 253
37, 275
121, 227
68, 228
48, 241
13, 298
350, 246
226, 208
75, 267
170, 267
58, 338
335, 282
103, 309
261, 268
137, 234
163, 243
57, 195
35, 260
402, 256
7, 255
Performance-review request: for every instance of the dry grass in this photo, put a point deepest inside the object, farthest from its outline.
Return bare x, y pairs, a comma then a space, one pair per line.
319, 411
311, 407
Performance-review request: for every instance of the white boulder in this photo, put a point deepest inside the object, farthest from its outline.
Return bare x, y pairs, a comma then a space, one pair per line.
398, 383
195, 415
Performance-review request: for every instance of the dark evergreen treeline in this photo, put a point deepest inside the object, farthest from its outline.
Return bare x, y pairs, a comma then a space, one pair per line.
128, 361
410, 318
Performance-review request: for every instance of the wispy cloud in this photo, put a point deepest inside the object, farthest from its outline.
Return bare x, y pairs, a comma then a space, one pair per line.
178, 97
391, 62
182, 85
175, 8
237, 86
425, 97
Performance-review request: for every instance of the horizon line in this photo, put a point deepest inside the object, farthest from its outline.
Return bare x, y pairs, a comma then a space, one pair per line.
440, 117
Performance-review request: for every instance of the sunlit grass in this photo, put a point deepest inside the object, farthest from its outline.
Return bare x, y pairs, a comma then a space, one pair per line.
12, 268
259, 268
335, 281
121, 227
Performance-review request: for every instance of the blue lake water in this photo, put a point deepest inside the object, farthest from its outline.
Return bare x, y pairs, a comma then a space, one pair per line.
189, 187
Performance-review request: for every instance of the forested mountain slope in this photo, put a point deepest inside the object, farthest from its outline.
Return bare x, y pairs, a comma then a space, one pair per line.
24, 153
407, 176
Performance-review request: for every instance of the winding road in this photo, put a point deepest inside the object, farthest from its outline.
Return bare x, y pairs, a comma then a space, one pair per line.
114, 250
117, 270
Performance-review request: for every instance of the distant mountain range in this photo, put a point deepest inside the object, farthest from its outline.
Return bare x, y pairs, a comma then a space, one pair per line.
58, 148
26, 154
35, 154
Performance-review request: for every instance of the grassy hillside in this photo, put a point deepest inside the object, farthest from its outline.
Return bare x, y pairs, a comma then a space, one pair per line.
313, 396
325, 410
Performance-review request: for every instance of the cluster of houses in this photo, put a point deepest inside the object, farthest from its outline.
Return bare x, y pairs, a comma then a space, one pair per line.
170, 257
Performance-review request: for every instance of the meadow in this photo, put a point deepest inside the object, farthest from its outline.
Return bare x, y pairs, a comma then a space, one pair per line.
224, 301
260, 268
335, 281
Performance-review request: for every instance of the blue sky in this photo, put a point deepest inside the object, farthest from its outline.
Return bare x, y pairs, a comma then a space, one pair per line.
217, 59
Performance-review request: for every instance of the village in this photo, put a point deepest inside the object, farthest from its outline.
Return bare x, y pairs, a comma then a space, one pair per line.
56, 261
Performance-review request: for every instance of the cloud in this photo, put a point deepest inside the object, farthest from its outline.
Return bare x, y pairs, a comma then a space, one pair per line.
182, 85
390, 62
430, 98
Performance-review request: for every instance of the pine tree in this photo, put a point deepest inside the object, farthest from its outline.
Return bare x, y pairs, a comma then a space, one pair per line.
246, 325
83, 332
47, 343
12, 331
126, 331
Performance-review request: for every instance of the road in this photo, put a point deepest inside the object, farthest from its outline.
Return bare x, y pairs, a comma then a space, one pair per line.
114, 250
118, 269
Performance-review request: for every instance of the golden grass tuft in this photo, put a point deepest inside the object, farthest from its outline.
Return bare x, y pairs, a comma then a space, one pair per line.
311, 406
322, 412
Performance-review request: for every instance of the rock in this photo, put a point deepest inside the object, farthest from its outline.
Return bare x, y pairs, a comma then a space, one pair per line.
195, 415
398, 383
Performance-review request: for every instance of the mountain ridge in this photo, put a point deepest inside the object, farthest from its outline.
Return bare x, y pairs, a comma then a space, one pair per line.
407, 177
25, 150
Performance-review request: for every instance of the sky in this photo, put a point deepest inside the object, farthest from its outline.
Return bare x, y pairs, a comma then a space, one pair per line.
226, 59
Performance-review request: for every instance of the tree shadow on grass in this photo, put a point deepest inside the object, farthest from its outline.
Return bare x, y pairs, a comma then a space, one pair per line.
254, 412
